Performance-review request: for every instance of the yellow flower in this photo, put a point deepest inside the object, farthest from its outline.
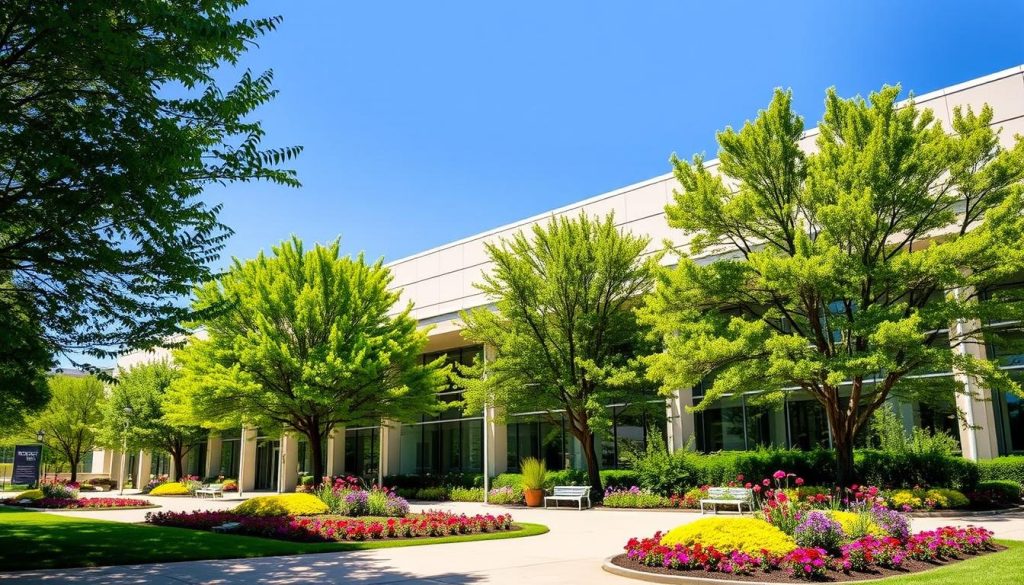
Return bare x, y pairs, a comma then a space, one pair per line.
749, 535
282, 505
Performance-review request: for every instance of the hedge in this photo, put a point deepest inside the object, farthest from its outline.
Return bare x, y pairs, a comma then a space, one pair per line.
1009, 468
449, 480
282, 505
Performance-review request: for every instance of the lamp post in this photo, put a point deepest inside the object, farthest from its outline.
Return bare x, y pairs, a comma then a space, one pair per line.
40, 437
124, 445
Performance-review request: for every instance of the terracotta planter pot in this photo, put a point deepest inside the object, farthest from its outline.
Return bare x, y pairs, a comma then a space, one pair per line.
534, 498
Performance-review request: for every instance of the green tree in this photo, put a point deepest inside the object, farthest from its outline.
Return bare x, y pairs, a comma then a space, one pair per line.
25, 356
140, 402
111, 126
309, 343
72, 419
563, 331
839, 272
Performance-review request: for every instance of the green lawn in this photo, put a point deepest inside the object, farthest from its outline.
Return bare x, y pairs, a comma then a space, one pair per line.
1003, 568
34, 540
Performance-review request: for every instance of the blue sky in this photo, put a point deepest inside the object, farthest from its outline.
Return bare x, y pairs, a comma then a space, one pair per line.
425, 122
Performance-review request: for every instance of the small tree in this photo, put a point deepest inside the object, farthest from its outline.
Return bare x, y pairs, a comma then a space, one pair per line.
72, 419
309, 343
140, 402
563, 331
840, 272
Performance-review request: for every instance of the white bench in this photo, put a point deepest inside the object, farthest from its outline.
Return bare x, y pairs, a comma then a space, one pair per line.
731, 496
212, 490
571, 493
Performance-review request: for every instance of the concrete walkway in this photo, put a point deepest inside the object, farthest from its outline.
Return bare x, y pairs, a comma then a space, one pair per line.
571, 553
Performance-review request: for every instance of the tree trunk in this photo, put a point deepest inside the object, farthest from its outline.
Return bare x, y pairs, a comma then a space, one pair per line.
74, 469
593, 468
179, 458
845, 473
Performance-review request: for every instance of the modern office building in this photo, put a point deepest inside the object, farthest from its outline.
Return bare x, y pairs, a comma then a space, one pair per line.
440, 282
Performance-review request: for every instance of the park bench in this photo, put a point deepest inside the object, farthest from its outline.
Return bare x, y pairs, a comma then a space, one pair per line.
731, 496
569, 493
211, 490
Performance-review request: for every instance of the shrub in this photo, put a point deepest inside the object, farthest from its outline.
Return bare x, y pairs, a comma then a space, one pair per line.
907, 470
59, 489
749, 535
191, 483
999, 493
857, 524
505, 495
460, 494
230, 485
282, 505
817, 530
1005, 468
533, 471
30, 495
415, 482
947, 498
377, 503
620, 478
306, 481
170, 488
105, 483
633, 498
436, 494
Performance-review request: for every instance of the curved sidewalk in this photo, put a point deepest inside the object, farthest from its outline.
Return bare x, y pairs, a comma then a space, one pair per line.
572, 552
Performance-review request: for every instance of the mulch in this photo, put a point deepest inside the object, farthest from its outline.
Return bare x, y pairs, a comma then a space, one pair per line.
909, 567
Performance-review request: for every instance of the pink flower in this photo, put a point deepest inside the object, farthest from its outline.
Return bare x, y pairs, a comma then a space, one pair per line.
799, 481
757, 489
779, 474
766, 483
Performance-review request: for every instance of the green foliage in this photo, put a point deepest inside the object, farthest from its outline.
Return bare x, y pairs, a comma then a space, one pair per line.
998, 492
891, 436
282, 505
533, 471
450, 480
72, 419
308, 343
144, 389
435, 494
910, 469
1009, 468
827, 271
619, 478
460, 494
634, 499
112, 123
30, 495
25, 357
564, 335
505, 495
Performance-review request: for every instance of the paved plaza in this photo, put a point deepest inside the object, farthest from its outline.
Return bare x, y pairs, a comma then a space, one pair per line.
571, 552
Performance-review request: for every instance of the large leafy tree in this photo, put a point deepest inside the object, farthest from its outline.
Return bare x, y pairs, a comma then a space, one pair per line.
846, 272
73, 418
111, 125
138, 408
309, 343
564, 334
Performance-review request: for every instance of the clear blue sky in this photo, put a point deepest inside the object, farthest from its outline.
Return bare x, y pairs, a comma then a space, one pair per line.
424, 122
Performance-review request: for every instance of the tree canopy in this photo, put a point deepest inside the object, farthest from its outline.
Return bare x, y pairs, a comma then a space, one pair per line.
111, 125
72, 420
140, 402
848, 272
309, 343
563, 330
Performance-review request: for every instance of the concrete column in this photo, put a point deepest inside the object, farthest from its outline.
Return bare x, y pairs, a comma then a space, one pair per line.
247, 460
212, 463
145, 469
680, 422
978, 430
390, 443
336, 452
497, 443
288, 476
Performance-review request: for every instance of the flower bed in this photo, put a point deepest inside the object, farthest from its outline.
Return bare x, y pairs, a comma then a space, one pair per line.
854, 536
83, 503
334, 528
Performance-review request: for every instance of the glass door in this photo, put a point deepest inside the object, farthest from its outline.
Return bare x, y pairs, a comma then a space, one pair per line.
267, 455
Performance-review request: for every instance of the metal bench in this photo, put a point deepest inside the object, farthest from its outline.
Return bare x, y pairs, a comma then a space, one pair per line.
732, 496
571, 493
211, 490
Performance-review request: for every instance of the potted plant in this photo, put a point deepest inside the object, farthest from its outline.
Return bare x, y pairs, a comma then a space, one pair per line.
533, 471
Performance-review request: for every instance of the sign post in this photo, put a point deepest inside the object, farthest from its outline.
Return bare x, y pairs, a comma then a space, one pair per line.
26, 464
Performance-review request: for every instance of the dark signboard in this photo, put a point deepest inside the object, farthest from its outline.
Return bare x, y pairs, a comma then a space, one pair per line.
26, 463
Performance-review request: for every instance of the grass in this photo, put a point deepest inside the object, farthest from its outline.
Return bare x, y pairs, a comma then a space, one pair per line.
34, 540
1002, 568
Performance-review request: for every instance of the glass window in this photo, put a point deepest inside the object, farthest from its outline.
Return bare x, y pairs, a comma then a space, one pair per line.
362, 449
808, 427
229, 458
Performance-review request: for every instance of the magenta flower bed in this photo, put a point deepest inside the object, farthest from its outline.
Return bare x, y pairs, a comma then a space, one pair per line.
813, 563
89, 503
329, 528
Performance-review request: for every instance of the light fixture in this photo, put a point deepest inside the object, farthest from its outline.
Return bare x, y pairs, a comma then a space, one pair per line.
40, 435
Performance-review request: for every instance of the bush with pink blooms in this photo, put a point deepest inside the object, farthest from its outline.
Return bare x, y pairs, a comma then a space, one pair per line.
84, 503
335, 528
